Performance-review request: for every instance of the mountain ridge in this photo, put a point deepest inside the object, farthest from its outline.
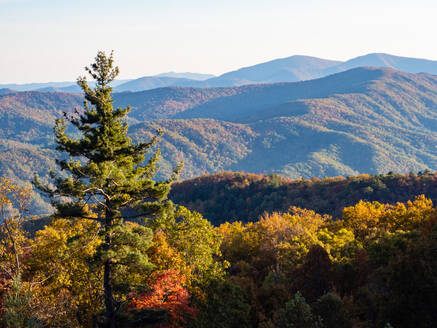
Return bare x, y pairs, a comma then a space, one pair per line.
289, 69
365, 120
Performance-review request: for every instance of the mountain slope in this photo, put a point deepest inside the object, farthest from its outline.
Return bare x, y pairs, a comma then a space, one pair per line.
404, 64
153, 82
5, 91
187, 75
167, 102
290, 69
365, 120
68, 86
253, 99
29, 116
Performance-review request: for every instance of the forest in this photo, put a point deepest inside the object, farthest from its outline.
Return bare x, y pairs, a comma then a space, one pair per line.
376, 266
117, 252
230, 196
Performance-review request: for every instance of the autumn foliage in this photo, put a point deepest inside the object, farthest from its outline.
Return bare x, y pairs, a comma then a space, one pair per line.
167, 291
320, 253
373, 266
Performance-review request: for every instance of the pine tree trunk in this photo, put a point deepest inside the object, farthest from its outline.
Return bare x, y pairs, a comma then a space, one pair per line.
110, 320
109, 302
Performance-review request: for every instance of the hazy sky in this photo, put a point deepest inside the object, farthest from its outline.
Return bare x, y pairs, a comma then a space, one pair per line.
45, 40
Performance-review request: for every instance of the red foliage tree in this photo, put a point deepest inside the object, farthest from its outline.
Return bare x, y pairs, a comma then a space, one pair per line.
167, 292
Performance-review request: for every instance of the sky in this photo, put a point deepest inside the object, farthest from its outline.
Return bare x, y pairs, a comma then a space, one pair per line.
47, 41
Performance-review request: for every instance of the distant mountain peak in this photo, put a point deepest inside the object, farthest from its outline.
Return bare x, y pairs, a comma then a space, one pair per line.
5, 91
186, 75
287, 69
404, 64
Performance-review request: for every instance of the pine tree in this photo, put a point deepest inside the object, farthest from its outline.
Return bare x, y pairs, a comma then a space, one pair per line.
107, 175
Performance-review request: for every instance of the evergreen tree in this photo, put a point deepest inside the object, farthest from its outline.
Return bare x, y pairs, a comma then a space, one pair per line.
297, 314
107, 175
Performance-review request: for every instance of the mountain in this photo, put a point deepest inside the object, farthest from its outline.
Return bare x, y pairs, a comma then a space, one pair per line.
238, 103
301, 68
35, 86
404, 64
28, 117
253, 102
187, 75
53, 89
290, 69
5, 91
163, 80
153, 82
167, 102
132, 85
365, 120
26, 135
53, 86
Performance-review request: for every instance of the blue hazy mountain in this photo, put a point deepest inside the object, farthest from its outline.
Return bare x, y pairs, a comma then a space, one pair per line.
169, 79
290, 69
187, 75
299, 68
5, 91
153, 82
68, 86
35, 86
140, 84
404, 64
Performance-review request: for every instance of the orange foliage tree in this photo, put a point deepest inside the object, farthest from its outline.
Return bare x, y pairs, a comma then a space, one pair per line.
166, 291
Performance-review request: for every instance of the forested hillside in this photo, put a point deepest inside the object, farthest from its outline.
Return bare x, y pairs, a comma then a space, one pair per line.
230, 196
366, 120
361, 121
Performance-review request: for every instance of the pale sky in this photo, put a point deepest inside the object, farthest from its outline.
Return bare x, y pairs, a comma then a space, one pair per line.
42, 40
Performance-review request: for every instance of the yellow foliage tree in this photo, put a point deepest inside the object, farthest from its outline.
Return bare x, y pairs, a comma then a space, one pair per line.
14, 202
289, 236
192, 240
369, 219
68, 284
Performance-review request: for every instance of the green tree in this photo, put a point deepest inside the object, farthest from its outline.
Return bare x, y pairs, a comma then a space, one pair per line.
223, 306
330, 309
297, 314
107, 175
195, 240
19, 311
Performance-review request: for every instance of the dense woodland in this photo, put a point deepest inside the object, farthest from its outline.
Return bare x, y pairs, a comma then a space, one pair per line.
239, 196
118, 253
375, 266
